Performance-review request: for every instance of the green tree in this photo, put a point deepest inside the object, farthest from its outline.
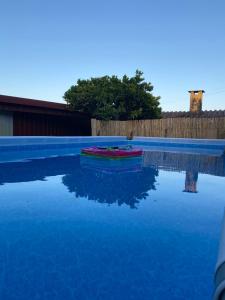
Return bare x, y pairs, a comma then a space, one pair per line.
111, 98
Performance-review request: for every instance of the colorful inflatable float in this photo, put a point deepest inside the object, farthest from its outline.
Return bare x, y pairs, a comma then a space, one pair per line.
113, 152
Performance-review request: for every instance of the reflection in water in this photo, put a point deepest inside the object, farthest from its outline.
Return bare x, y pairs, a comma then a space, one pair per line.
191, 182
192, 164
124, 181
173, 161
111, 181
105, 165
37, 169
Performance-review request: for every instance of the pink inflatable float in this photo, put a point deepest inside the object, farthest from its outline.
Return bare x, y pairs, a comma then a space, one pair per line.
113, 152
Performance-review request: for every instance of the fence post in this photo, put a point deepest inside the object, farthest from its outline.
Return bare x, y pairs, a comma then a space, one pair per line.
93, 127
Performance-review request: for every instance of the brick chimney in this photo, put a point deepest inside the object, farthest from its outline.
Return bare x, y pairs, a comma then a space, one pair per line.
196, 101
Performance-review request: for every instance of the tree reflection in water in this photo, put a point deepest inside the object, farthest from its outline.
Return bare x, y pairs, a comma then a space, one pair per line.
111, 181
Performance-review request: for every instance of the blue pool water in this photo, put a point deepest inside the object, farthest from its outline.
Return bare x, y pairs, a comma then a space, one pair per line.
73, 227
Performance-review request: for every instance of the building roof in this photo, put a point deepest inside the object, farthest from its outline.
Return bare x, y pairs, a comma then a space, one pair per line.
32, 102
18, 104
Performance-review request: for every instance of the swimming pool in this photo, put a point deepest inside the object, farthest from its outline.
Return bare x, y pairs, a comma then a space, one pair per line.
74, 227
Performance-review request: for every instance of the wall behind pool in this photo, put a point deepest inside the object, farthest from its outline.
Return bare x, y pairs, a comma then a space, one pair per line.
6, 124
18, 143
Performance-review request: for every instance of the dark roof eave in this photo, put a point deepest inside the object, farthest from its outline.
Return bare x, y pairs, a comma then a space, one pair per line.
15, 104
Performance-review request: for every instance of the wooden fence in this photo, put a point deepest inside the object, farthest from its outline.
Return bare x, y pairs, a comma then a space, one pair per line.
209, 128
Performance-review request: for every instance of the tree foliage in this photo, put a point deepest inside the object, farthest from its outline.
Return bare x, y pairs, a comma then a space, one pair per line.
112, 98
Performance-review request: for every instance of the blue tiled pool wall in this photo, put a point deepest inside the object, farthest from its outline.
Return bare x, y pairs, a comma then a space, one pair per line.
40, 143
35, 143
183, 143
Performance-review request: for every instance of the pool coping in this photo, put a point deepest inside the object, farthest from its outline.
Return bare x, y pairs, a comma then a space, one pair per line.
44, 142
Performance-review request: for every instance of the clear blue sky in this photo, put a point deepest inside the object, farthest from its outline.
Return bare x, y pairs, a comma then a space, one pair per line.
45, 46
